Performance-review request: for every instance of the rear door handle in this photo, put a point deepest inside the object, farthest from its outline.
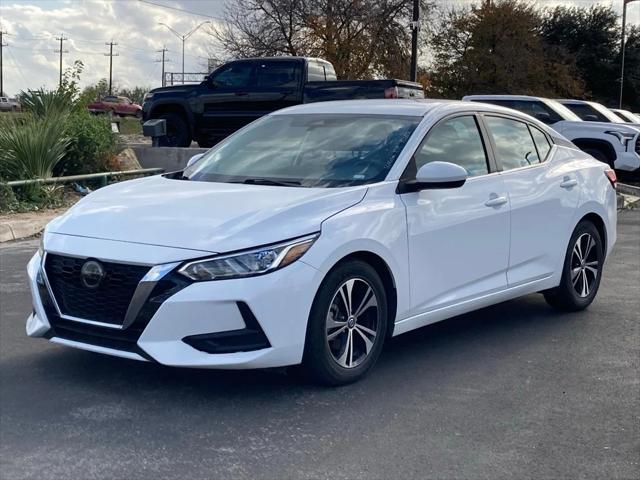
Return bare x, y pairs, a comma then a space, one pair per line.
496, 201
569, 182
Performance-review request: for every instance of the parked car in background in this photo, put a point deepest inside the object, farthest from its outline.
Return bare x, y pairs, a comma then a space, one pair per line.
626, 115
321, 230
9, 105
115, 105
616, 144
593, 111
239, 92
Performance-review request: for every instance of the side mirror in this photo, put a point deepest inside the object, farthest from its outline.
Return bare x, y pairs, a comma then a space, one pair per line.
436, 175
194, 159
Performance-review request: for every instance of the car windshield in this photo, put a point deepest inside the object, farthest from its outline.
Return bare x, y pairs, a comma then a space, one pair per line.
628, 116
612, 117
561, 110
308, 150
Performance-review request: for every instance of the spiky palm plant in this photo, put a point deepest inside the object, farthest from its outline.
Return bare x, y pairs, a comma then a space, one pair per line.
32, 146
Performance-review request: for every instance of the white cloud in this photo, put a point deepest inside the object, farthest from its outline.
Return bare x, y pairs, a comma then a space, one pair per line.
30, 60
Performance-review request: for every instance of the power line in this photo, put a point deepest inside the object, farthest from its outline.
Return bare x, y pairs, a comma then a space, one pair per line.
168, 7
61, 39
110, 55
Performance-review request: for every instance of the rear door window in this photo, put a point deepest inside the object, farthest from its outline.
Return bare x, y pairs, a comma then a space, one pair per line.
315, 72
513, 142
541, 141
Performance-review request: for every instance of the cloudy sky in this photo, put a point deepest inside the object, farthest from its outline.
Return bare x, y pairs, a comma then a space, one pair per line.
30, 60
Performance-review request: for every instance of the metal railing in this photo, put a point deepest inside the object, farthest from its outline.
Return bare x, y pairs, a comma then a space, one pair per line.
102, 177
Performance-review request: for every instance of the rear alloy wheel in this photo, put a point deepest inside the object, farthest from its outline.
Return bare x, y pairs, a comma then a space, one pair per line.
347, 325
582, 270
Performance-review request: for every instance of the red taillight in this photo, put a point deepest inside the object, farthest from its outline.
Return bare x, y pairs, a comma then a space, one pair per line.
611, 175
391, 92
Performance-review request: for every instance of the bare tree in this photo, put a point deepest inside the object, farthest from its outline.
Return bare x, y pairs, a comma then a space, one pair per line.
361, 38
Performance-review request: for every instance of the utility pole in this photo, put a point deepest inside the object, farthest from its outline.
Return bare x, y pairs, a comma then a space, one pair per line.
622, 47
61, 39
163, 51
415, 27
111, 55
2, 44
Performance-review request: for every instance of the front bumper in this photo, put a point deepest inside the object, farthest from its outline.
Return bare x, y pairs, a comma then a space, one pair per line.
278, 302
627, 161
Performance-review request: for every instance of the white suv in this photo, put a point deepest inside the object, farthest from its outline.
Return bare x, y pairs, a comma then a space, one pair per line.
617, 144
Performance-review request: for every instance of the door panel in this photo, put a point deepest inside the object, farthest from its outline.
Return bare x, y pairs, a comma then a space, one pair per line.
543, 198
458, 246
458, 238
227, 105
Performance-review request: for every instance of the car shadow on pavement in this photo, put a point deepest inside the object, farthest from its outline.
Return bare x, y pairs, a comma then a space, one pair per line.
456, 343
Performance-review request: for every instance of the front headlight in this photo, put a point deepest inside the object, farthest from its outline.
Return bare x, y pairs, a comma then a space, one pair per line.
248, 263
41, 246
624, 137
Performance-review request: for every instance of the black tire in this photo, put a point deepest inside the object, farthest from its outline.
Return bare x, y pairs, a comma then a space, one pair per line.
599, 155
178, 134
570, 295
322, 357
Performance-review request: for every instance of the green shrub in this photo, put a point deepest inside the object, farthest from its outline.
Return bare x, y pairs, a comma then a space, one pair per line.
8, 201
91, 147
31, 147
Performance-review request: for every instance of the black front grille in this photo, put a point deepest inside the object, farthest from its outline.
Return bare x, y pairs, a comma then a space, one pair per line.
638, 145
124, 340
107, 303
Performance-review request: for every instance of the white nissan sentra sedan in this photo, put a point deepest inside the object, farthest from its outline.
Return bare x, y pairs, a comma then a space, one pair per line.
319, 231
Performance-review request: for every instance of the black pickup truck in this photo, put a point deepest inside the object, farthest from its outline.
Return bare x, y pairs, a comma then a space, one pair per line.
241, 91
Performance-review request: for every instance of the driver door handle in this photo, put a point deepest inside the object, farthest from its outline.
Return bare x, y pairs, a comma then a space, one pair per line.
569, 182
496, 201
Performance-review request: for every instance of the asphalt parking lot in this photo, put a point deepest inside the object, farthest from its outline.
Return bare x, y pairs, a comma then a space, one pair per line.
512, 391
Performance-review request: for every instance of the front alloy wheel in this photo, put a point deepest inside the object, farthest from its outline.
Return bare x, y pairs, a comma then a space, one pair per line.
352, 323
347, 325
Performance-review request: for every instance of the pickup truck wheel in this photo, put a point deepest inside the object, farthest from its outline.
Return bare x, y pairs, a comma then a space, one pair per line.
178, 134
599, 155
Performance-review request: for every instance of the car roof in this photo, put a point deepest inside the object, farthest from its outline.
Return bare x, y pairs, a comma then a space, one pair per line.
500, 97
407, 107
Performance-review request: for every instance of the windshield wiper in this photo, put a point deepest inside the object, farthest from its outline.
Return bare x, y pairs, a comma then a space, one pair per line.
268, 181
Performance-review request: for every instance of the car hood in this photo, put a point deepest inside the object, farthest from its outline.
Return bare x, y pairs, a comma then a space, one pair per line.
211, 217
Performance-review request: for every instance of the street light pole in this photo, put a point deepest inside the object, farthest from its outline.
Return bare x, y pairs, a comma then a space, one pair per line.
184, 39
622, 47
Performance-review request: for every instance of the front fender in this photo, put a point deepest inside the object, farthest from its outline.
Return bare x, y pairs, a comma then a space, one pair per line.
375, 225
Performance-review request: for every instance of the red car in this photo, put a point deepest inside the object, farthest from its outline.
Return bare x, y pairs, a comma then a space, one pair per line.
121, 106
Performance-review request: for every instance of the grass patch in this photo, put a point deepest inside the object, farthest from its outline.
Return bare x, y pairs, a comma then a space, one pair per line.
130, 126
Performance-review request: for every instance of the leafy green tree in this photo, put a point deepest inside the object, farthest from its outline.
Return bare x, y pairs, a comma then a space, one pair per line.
496, 48
591, 36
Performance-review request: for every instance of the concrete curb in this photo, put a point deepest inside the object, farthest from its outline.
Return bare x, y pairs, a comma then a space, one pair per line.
19, 228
